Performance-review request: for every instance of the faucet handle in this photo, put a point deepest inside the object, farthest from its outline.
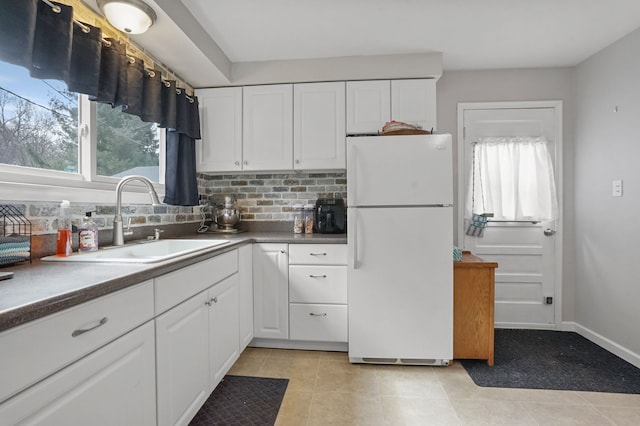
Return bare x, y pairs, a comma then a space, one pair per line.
156, 233
128, 231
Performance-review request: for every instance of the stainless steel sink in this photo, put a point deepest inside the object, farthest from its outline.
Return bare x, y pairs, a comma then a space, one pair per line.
144, 252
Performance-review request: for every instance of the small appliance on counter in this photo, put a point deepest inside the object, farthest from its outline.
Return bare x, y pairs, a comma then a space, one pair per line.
221, 218
330, 216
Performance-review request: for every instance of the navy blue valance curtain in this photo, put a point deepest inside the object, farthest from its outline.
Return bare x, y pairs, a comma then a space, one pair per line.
43, 37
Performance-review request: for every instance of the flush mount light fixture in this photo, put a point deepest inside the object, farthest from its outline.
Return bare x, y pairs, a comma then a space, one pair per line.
130, 16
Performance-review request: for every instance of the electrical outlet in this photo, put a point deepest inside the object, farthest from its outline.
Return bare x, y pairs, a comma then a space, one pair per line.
617, 188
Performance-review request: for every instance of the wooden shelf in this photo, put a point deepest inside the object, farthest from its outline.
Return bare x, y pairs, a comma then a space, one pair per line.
473, 308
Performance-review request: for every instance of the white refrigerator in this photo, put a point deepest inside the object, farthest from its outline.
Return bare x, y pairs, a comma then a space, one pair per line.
400, 240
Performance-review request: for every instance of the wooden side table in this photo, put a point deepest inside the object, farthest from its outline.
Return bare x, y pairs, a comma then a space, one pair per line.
473, 306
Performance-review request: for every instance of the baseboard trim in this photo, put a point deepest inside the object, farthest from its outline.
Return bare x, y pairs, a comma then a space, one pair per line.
613, 347
299, 344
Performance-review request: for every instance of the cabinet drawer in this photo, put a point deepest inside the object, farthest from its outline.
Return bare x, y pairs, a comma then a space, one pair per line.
315, 322
317, 284
37, 349
317, 254
178, 286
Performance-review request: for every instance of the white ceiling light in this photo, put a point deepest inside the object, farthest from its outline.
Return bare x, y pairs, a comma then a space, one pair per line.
130, 16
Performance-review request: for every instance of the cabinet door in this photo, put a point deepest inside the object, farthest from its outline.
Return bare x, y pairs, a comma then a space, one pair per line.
224, 346
319, 126
414, 102
220, 149
368, 105
270, 291
182, 347
113, 386
267, 141
245, 276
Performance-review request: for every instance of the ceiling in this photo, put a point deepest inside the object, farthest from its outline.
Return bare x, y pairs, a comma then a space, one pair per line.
470, 34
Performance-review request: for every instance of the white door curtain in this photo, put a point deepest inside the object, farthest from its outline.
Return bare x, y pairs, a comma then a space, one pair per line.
512, 179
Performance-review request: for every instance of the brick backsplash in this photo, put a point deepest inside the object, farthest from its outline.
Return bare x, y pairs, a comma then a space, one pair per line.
44, 215
261, 197
270, 196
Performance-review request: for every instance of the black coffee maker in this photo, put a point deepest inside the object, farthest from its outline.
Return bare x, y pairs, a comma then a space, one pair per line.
330, 216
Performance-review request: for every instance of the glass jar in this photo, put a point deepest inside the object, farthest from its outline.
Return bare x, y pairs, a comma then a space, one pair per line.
308, 218
298, 218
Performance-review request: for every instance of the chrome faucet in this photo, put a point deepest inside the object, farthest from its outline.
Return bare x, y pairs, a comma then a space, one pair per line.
118, 234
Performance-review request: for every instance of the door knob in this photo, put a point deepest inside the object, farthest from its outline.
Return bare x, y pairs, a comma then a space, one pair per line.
549, 232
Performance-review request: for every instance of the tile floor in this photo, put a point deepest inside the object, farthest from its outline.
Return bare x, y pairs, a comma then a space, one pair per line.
325, 389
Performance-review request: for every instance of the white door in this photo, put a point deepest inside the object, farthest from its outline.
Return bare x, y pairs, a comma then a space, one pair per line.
368, 105
182, 357
526, 294
270, 291
267, 127
400, 289
224, 328
114, 385
399, 170
414, 101
319, 126
220, 149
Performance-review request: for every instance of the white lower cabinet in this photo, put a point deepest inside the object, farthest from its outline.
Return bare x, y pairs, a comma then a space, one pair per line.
182, 356
270, 291
114, 385
245, 276
197, 343
318, 292
224, 328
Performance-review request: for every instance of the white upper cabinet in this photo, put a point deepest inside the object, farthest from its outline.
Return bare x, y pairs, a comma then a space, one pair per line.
319, 126
221, 119
267, 127
368, 105
414, 102
371, 104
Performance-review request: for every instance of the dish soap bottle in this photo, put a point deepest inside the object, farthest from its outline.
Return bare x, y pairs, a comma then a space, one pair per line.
88, 235
63, 244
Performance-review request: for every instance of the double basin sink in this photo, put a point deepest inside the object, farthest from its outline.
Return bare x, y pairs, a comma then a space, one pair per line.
141, 252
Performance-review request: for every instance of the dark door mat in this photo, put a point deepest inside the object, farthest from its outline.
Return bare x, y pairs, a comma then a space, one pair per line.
242, 400
541, 359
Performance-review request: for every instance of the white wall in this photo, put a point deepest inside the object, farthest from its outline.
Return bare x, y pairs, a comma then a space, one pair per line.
607, 147
519, 85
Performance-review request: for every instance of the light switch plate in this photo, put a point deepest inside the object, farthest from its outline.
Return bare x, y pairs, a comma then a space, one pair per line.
617, 188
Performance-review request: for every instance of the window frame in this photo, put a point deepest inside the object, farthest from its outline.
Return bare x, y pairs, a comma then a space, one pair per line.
20, 183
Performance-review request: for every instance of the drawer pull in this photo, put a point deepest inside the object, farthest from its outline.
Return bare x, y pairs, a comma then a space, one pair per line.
317, 254
77, 333
318, 276
313, 314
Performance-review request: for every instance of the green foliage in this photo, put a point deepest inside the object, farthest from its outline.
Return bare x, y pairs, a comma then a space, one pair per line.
124, 141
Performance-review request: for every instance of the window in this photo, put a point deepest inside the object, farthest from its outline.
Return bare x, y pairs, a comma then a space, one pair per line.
126, 145
38, 122
51, 137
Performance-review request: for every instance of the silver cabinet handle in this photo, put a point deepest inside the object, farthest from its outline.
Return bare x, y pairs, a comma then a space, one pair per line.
282, 251
313, 314
317, 254
214, 300
237, 163
317, 276
245, 162
80, 331
211, 301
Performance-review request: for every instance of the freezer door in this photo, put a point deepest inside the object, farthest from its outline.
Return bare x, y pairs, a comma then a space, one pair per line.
399, 170
400, 283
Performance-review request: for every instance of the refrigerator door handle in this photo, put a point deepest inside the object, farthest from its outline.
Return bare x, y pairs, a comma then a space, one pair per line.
352, 171
354, 246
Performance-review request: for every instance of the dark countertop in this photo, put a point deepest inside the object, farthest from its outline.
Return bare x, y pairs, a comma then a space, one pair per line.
43, 288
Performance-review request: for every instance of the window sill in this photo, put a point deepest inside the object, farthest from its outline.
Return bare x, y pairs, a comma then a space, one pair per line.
18, 184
